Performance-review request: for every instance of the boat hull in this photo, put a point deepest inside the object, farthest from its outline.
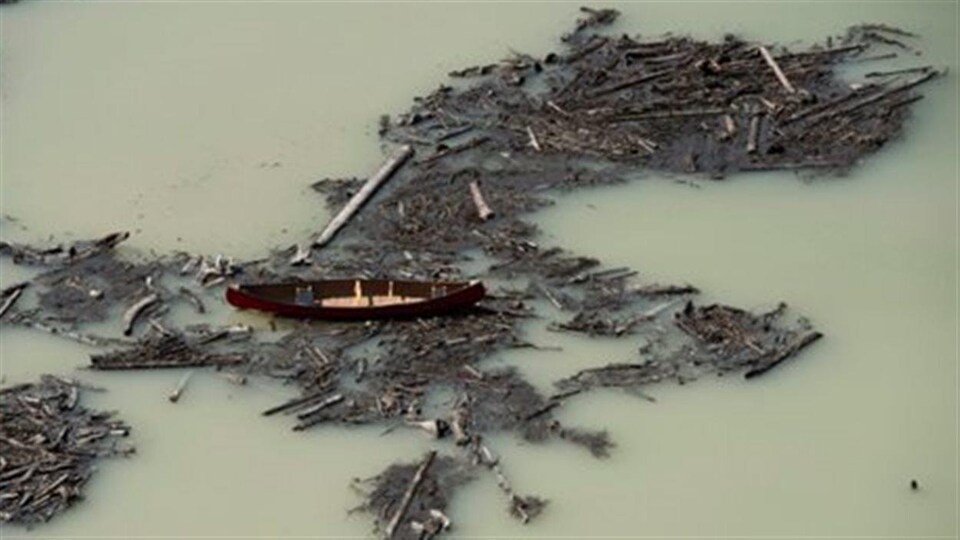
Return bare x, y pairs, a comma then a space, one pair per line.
269, 298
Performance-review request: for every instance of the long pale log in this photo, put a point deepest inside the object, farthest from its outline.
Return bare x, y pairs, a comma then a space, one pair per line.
408, 495
483, 209
178, 391
373, 183
776, 70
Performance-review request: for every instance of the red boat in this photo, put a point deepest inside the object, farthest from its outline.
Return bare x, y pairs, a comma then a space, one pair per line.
357, 298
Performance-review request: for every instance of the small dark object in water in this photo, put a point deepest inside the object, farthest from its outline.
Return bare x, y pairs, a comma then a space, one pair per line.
357, 298
914, 485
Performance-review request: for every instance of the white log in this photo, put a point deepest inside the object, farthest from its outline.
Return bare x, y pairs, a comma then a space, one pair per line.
483, 210
408, 496
776, 70
382, 175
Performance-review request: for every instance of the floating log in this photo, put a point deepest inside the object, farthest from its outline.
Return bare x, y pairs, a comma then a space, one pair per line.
483, 210
879, 96
178, 391
301, 256
10, 296
74, 252
787, 352
369, 188
776, 70
633, 81
549, 295
753, 134
168, 351
332, 400
131, 315
297, 403
472, 143
409, 494
193, 299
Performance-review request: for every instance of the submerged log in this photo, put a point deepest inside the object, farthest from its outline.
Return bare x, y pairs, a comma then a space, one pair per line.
178, 391
369, 188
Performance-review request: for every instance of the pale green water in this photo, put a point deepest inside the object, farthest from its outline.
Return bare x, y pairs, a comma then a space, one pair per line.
168, 118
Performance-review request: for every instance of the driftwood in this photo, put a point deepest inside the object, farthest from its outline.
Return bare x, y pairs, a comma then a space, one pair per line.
166, 351
590, 114
787, 352
776, 69
60, 254
408, 495
10, 295
193, 299
382, 175
181, 385
483, 210
131, 315
523, 508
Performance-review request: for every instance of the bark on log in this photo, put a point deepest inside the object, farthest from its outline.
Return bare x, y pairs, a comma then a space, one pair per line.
382, 175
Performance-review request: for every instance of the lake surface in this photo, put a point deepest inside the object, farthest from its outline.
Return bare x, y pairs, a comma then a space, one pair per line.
199, 126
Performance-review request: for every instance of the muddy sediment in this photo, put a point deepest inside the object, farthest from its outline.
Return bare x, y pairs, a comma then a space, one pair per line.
488, 151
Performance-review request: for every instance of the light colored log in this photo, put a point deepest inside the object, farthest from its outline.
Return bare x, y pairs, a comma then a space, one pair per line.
408, 495
12, 294
130, 316
483, 210
382, 175
178, 391
776, 70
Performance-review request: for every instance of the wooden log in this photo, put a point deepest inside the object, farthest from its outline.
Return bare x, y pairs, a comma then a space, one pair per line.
193, 299
921, 69
533, 139
130, 316
483, 210
369, 188
633, 81
10, 296
297, 402
301, 256
86, 339
753, 134
776, 70
409, 494
458, 426
859, 104
660, 115
784, 354
330, 401
549, 295
178, 391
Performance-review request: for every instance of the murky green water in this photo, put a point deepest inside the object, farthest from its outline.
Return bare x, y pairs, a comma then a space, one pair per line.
200, 126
